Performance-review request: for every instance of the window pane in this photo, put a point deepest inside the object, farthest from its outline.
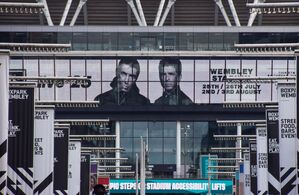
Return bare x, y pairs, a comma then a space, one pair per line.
125, 41
15, 64
229, 39
186, 41
108, 68
80, 41
200, 129
126, 129
156, 40
78, 69
250, 89
216, 41
154, 70
62, 69
216, 89
106, 87
94, 69
143, 70
187, 88
202, 93
140, 129
47, 69
95, 41
109, 41
93, 90
202, 70
187, 70
201, 41
142, 86
31, 67
155, 129
292, 68
217, 76
155, 91
127, 144
169, 151
170, 41
186, 129
155, 151
232, 69
264, 69
64, 37
170, 129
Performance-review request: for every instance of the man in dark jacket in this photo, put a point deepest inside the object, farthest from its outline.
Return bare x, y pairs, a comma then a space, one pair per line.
170, 72
124, 90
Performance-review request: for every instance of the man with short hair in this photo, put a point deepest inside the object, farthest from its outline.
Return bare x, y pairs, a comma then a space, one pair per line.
170, 73
124, 90
99, 189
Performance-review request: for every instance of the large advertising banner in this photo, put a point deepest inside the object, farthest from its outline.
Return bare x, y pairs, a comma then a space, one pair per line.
262, 159
85, 174
273, 151
61, 152
4, 60
167, 81
74, 167
287, 137
172, 186
253, 168
43, 150
246, 174
20, 140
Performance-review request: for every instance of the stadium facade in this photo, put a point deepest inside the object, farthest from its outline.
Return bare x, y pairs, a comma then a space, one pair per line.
178, 135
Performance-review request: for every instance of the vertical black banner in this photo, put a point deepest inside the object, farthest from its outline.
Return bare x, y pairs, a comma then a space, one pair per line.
20, 140
273, 151
253, 168
4, 89
61, 150
85, 173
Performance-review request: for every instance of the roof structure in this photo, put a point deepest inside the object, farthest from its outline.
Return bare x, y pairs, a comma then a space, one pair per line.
120, 13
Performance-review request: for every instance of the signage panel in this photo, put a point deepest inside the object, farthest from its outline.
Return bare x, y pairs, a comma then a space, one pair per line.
262, 159
273, 151
43, 150
287, 137
20, 140
253, 168
4, 61
74, 167
171, 186
85, 174
61, 152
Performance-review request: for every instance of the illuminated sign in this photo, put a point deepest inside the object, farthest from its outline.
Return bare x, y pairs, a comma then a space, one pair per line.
172, 186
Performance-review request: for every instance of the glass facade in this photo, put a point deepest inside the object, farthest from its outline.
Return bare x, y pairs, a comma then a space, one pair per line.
150, 41
196, 140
